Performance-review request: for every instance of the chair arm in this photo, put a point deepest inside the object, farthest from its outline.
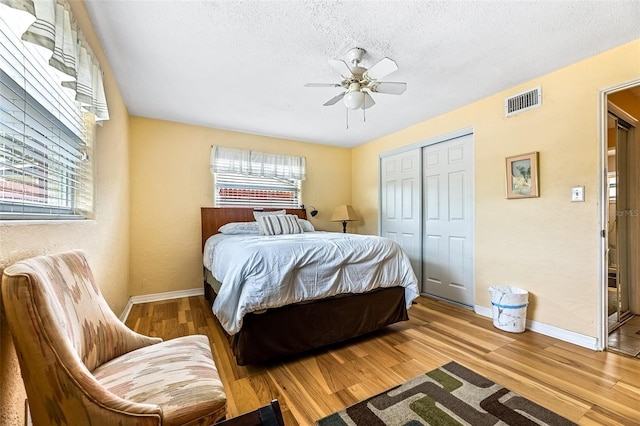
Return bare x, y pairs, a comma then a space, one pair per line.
132, 340
127, 339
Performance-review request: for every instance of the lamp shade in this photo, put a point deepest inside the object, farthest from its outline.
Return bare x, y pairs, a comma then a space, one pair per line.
343, 213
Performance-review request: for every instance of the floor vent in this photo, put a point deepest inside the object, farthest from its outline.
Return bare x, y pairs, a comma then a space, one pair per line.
523, 101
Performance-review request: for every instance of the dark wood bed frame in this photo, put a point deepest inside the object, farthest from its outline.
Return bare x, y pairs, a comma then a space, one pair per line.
213, 218
301, 327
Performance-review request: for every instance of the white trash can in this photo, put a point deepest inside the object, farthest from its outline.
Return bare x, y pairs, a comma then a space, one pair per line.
509, 305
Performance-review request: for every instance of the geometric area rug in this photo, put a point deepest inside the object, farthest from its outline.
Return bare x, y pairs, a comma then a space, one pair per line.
449, 395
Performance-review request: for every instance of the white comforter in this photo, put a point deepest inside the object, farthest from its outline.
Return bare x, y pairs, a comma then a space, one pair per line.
261, 272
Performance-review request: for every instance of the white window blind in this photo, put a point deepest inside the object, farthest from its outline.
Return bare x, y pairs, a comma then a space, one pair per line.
256, 179
45, 139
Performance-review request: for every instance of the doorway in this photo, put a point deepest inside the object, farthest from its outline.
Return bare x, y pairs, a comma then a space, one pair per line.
621, 209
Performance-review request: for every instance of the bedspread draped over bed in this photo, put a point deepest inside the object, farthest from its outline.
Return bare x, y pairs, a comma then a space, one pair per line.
262, 272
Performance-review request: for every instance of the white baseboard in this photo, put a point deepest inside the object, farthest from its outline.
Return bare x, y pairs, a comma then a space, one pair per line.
155, 297
549, 330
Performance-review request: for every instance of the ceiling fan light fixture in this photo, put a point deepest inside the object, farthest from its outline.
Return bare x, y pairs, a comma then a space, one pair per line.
354, 100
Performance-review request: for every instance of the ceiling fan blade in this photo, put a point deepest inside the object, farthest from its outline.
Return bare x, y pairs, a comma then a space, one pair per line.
341, 68
321, 85
380, 69
368, 101
391, 88
334, 100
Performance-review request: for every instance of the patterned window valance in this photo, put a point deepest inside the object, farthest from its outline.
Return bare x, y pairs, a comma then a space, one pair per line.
253, 163
50, 25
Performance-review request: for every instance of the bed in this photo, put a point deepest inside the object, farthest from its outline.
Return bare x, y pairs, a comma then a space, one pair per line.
262, 330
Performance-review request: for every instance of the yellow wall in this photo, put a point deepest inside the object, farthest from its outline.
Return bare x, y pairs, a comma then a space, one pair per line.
170, 181
547, 245
104, 239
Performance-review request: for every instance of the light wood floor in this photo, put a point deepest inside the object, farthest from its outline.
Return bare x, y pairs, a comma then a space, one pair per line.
626, 338
585, 386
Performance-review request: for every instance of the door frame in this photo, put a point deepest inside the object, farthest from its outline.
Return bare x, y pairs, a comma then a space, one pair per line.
603, 111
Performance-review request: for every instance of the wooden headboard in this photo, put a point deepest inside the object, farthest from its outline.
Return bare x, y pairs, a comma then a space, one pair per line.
214, 217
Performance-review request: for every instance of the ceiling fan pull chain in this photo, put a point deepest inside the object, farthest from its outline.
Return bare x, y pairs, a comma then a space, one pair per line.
346, 110
364, 111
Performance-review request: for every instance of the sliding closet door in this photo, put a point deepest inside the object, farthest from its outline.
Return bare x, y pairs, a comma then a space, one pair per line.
448, 205
400, 203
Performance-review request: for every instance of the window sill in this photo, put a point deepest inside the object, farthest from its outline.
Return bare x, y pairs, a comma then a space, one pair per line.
20, 222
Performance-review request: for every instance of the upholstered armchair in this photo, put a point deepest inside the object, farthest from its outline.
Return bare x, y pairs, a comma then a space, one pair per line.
82, 366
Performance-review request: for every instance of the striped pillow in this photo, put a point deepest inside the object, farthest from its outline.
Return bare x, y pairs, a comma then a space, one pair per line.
258, 213
279, 225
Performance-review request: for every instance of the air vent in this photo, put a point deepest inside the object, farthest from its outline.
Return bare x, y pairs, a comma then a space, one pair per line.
523, 101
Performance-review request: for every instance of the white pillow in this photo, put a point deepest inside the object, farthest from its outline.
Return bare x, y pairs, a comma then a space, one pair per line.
258, 213
306, 225
279, 225
235, 228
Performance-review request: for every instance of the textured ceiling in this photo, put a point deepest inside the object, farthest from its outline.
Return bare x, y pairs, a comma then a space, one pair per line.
242, 65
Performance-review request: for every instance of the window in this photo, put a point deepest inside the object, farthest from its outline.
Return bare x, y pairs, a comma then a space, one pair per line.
47, 118
255, 179
251, 191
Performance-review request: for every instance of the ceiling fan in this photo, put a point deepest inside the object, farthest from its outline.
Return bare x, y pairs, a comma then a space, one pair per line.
358, 81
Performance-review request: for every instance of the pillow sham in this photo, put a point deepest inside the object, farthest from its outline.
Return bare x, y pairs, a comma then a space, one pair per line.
235, 228
306, 225
258, 213
279, 225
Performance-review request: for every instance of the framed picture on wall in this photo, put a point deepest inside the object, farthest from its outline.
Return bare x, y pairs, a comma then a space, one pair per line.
522, 176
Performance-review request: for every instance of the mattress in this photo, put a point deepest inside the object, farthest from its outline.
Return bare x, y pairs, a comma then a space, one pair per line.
262, 272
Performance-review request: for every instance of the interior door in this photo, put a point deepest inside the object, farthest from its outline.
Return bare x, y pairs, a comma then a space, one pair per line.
400, 176
448, 212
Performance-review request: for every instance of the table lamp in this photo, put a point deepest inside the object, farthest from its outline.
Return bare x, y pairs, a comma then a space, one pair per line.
344, 214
